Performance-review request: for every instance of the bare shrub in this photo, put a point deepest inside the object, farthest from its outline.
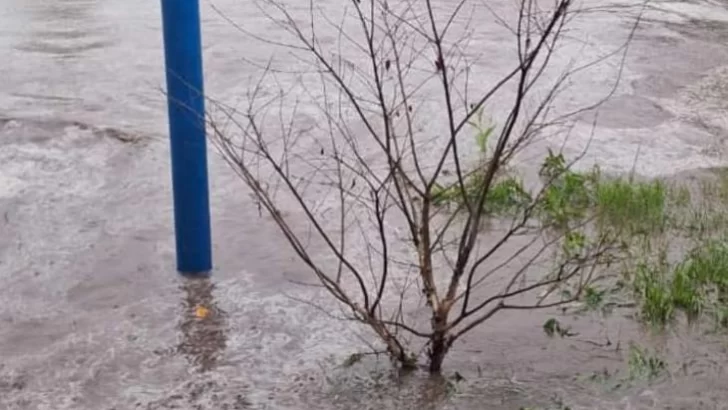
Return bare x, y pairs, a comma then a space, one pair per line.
368, 133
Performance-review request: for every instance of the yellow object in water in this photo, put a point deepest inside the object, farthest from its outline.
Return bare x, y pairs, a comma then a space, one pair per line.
201, 312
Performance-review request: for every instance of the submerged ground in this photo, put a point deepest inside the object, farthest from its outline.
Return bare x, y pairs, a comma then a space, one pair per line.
93, 316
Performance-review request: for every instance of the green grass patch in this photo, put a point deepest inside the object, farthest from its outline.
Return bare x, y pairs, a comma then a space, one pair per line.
639, 208
695, 285
684, 294
652, 292
649, 219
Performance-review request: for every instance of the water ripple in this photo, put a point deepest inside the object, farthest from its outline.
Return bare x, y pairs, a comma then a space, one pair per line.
63, 28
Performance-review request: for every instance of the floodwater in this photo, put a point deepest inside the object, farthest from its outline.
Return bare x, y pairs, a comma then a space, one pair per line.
93, 316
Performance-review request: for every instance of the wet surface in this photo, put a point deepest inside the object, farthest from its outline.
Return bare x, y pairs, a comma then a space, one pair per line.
69, 28
93, 316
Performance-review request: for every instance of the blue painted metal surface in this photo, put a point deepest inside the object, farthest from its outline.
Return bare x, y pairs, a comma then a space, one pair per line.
186, 104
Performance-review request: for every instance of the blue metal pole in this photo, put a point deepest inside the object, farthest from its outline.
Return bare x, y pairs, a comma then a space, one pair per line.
186, 105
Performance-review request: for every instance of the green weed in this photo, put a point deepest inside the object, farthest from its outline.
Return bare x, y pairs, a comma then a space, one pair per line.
684, 293
568, 194
707, 264
644, 365
653, 294
698, 284
505, 197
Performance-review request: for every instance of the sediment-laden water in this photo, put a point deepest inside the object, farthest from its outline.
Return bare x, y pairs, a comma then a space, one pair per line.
92, 315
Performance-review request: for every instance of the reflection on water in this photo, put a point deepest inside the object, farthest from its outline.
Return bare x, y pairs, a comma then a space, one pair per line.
63, 28
203, 325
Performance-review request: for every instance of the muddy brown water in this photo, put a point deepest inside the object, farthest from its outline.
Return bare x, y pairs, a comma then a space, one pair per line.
93, 316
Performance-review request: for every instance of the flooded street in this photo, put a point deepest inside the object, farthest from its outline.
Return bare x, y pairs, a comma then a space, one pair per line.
93, 315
